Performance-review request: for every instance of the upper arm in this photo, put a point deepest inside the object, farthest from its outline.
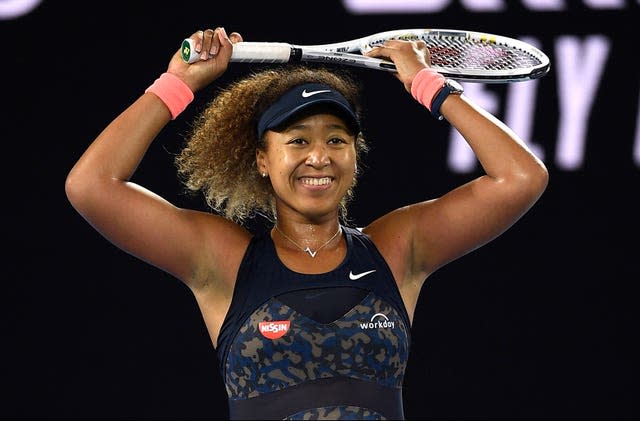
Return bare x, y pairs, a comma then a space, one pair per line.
420, 238
179, 241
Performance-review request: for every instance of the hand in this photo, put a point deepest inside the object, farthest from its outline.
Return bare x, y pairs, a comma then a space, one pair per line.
215, 49
409, 57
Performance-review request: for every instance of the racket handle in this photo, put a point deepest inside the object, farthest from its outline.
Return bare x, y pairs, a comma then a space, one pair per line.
250, 52
262, 52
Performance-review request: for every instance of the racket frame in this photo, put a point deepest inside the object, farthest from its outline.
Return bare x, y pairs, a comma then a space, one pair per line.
350, 53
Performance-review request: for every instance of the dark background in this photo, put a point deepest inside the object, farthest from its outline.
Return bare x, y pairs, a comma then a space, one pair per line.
540, 323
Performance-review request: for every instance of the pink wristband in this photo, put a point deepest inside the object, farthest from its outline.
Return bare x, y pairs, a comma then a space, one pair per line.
175, 94
426, 84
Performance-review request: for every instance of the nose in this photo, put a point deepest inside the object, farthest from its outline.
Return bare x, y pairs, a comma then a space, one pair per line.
318, 156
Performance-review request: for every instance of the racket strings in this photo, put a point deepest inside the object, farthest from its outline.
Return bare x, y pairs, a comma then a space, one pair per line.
481, 55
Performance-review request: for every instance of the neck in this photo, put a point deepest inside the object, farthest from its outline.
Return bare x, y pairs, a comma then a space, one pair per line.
310, 239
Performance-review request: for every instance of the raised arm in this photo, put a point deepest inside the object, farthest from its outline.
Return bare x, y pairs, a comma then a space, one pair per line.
134, 218
420, 238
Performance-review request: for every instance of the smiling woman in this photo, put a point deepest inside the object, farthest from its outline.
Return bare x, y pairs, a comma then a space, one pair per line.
311, 318
233, 187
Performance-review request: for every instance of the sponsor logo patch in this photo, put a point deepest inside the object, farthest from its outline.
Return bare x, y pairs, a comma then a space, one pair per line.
378, 321
274, 329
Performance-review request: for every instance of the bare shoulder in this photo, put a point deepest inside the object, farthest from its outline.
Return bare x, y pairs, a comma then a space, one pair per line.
224, 244
396, 227
391, 233
394, 234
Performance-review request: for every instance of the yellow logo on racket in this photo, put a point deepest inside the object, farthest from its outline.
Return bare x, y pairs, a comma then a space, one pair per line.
488, 38
186, 50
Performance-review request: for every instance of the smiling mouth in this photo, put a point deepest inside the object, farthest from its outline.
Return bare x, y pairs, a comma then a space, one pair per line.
311, 181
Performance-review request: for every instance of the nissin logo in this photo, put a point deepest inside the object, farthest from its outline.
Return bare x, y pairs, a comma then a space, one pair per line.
378, 321
274, 329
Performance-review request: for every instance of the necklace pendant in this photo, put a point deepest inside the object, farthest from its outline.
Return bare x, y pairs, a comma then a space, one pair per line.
308, 249
311, 253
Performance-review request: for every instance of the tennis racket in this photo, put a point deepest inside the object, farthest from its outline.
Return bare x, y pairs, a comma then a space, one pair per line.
462, 55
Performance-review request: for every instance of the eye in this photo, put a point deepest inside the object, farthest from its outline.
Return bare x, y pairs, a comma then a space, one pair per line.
297, 141
336, 141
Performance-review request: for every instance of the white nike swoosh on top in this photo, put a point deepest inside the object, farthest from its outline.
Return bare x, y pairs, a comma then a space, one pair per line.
306, 94
354, 277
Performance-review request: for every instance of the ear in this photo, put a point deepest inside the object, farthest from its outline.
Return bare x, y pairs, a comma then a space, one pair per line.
261, 160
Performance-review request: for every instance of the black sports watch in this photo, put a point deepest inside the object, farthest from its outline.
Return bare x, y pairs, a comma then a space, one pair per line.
450, 87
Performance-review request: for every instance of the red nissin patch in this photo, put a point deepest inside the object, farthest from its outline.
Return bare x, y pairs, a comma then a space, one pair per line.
275, 329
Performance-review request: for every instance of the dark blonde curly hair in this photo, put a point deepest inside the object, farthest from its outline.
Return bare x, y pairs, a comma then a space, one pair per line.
219, 158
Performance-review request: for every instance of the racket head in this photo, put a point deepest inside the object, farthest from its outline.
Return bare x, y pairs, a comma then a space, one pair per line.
471, 56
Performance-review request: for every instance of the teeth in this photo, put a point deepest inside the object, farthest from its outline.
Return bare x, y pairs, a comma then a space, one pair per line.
316, 181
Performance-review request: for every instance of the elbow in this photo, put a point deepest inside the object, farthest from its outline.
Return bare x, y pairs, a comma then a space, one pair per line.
76, 188
72, 188
540, 178
534, 181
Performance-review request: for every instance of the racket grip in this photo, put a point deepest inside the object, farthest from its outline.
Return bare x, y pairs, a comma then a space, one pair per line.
262, 52
250, 52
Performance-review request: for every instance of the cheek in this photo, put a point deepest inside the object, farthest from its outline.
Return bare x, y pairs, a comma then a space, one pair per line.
276, 160
348, 162
283, 163
285, 160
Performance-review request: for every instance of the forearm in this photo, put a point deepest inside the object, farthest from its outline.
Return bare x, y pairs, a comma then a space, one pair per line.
117, 151
500, 151
97, 182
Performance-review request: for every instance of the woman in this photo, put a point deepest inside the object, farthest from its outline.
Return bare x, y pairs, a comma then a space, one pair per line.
311, 319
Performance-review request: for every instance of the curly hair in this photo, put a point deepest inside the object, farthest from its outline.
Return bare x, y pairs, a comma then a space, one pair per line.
219, 158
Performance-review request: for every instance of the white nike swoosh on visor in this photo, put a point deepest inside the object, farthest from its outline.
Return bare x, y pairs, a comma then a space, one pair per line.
306, 94
354, 277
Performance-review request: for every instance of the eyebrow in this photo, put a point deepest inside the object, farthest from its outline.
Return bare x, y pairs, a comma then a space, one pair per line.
302, 126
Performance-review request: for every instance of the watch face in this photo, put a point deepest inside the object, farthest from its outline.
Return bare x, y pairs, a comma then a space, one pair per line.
454, 86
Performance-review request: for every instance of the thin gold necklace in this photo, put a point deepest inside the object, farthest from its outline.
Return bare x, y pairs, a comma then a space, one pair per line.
308, 249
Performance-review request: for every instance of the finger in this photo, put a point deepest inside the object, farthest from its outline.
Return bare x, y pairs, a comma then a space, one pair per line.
197, 38
377, 51
422, 46
207, 44
235, 37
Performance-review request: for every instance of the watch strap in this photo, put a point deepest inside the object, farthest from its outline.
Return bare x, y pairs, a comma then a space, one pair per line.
446, 90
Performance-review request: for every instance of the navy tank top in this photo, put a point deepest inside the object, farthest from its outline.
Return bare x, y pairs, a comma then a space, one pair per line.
315, 346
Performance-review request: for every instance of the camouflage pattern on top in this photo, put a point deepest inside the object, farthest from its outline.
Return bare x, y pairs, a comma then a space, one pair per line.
370, 343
